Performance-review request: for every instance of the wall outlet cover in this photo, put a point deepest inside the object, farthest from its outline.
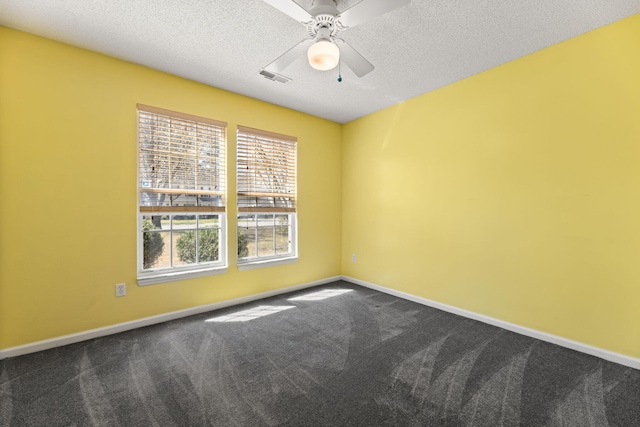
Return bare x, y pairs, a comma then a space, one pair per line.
121, 289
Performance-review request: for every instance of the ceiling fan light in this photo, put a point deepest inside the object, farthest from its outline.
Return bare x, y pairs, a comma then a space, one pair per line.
323, 55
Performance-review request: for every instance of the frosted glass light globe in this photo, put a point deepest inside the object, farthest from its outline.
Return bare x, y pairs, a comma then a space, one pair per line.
323, 55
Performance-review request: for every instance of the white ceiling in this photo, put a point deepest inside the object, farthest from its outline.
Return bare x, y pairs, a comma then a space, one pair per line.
225, 43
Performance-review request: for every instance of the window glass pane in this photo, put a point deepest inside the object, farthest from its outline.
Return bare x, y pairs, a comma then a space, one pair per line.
155, 222
208, 245
182, 222
165, 222
282, 234
246, 221
184, 200
208, 221
184, 247
266, 236
209, 200
155, 241
155, 199
246, 236
156, 248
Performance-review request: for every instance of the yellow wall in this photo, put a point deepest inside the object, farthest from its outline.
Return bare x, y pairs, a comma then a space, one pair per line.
514, 193
68, 190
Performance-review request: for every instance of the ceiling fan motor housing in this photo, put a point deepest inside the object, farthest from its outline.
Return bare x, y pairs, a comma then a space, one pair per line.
324, 24
323, 29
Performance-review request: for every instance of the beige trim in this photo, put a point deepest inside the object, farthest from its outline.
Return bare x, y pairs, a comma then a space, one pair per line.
170, 113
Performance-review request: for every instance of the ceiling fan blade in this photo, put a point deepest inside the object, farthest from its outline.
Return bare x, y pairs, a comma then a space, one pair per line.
289, 56
368, 9
358, 64
291, 8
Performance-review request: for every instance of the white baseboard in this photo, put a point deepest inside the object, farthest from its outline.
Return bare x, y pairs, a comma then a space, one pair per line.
139, 323
147, 321
543, 336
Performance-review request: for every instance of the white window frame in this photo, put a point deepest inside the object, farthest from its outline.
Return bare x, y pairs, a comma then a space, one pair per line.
271, 260
150, 276
276, 259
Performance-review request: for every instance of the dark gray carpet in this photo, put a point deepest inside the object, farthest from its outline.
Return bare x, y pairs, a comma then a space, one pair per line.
362, 358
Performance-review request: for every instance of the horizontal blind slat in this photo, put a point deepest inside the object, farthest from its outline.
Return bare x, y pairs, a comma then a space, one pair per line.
266, 171
180, 157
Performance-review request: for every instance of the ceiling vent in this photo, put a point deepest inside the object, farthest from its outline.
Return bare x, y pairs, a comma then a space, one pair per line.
274, 76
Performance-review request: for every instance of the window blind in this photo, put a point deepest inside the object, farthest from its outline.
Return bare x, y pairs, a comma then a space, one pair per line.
266, 171
181, 162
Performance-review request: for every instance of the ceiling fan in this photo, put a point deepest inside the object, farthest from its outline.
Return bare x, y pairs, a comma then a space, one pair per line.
324, 22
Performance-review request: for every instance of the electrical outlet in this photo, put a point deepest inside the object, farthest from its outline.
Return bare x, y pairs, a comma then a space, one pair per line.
121, 289
353, 257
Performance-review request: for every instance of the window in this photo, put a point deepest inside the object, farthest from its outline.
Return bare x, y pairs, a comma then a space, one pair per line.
266, 186
181, 180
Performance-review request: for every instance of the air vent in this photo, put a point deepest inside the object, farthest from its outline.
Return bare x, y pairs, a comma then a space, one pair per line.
274, 76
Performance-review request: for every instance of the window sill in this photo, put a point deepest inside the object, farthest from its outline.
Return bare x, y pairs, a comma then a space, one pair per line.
164, 277
250, 265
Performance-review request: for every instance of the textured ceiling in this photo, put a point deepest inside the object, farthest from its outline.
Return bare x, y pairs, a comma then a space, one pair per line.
415, 49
